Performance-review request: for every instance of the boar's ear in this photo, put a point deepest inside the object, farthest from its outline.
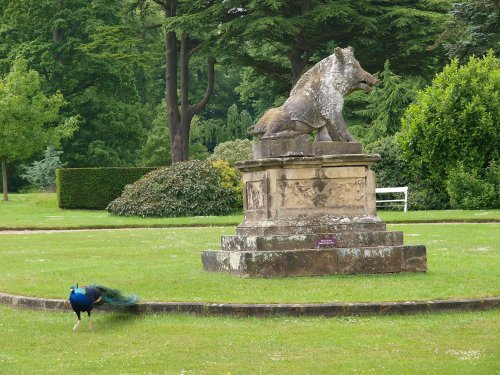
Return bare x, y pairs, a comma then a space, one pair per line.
351, 49
338, 53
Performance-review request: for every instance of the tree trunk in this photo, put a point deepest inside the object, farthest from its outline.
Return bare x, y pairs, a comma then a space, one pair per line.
171, 97
180, 120
298, 61
184, 89
4, 179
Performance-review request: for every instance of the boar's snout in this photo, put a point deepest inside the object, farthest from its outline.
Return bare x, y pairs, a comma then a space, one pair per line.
367, 81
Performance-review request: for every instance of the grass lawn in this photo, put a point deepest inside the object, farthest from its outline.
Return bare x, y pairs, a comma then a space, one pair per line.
34, 342
164, 264
40, 211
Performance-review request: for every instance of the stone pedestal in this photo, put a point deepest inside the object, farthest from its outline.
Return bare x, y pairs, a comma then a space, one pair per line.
311, 215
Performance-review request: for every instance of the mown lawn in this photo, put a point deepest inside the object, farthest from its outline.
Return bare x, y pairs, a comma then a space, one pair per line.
34, 342
39, 210
164, 264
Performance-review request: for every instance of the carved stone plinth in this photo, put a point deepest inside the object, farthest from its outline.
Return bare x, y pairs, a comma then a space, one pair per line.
311, 215
301, 146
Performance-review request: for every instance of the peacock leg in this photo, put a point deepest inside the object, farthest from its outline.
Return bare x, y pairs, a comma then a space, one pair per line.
75, 327
90, 322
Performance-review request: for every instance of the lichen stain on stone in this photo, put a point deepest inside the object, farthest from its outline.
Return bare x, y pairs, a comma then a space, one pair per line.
234, 261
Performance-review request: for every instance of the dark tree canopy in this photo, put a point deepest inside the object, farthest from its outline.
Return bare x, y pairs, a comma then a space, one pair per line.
474, 29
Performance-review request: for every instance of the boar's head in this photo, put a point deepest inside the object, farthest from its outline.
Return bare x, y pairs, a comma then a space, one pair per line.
354, 76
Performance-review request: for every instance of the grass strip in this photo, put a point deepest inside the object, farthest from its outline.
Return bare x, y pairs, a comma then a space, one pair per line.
40, 211
165, 265
42, 342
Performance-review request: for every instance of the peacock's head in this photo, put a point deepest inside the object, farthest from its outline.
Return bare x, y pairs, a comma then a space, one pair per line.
72, 288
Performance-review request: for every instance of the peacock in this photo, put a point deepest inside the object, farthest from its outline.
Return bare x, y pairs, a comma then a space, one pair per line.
85, 298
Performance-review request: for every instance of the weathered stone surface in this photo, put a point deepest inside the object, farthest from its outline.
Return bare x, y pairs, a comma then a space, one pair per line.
414, 259
308, 162
316, 101
302, 147
311, 241
311, 216
271, 263
318, 225
289, 309
303, 189
310, 262
382, 259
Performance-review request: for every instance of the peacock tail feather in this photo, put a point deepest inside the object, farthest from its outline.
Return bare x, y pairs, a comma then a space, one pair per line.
116, 298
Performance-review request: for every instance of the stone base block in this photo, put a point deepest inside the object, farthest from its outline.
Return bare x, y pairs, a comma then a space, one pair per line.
278, 148
308, 226
315, 241
316, 262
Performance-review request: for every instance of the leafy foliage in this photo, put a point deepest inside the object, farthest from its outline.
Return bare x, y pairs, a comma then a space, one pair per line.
233, 151
231, 179
61, 40
26, 114
42, 174
469, 191
473, 29
156, 151
455, 121
280, 39
383, 108
94, 188
188, 188
391, 170
29, 120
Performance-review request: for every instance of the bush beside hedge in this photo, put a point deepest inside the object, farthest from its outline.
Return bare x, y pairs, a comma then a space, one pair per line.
188, 188
94, 188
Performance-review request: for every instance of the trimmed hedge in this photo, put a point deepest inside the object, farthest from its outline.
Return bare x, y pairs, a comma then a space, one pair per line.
94, 188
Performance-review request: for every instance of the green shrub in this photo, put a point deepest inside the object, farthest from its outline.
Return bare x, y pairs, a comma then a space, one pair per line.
188, 188
468, 191
231, 178
391, 169
94, 188
454, 121
233, 151
421, 197
42, 174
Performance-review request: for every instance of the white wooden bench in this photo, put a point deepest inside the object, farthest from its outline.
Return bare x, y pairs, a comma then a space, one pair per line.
394, 190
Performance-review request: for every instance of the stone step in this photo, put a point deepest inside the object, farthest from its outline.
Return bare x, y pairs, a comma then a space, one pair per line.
316, 241
316, 262
277, 228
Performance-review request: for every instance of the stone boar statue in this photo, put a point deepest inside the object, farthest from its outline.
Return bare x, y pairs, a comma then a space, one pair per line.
316, 101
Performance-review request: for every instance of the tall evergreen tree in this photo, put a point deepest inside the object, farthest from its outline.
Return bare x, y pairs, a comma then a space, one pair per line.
282, 38
474, 29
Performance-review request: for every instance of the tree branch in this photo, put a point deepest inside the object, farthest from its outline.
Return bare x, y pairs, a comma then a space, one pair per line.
194, 109
161, 3
150, 27
196, 48
78, 89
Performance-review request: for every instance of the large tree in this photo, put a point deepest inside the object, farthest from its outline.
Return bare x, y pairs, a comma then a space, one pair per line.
28, 118
189, 27
282, 38
473, 29
106, 91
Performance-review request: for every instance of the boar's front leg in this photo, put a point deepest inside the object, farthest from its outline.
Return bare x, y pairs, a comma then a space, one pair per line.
322, 135
339, 130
